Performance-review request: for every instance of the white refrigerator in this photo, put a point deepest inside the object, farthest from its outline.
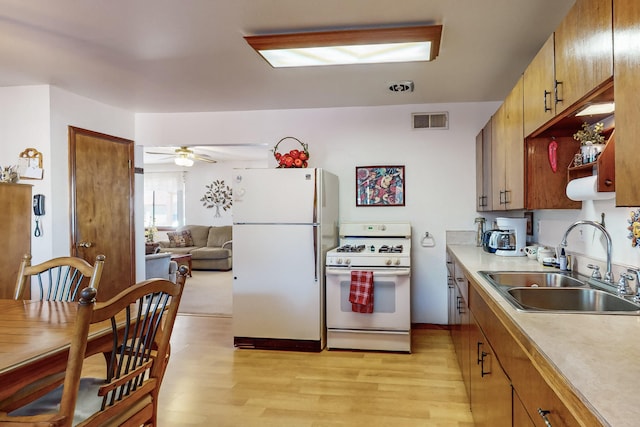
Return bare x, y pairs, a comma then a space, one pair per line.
284, 222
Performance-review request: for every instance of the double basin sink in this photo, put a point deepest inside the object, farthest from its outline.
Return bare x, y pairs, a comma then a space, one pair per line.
557, 292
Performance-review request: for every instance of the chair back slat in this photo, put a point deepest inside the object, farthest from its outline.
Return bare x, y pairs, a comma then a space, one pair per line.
60, 283
58, 279
134, 347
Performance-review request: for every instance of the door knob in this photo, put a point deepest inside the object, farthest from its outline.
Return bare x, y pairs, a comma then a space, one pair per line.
83, 244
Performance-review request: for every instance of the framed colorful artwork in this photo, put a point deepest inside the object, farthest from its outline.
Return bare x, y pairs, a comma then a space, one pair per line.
380, 186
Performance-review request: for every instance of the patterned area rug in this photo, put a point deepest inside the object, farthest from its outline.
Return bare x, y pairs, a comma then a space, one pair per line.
208, 293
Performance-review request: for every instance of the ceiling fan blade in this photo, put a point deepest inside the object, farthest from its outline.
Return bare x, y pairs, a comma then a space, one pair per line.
203, 158
158, 152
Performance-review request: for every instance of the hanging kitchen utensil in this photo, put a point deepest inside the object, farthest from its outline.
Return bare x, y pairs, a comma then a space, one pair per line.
553, 155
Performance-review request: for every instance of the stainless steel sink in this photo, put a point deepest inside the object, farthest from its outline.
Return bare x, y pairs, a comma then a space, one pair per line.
571, 299
534, 279
556, 291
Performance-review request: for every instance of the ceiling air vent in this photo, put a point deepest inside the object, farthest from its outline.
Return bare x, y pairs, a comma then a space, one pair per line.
430, 120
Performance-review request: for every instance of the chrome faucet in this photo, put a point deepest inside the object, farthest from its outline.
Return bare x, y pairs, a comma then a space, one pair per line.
608, 276
636, 297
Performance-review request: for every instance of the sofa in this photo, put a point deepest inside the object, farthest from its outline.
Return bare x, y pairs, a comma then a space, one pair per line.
159, 265
210, 246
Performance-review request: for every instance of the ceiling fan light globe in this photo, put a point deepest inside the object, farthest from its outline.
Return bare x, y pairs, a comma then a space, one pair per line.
183, 161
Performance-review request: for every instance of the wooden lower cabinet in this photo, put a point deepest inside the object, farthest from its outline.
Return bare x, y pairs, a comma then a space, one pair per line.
15, 225
539, 400
490, 386
520, 416
504, 386
460, 330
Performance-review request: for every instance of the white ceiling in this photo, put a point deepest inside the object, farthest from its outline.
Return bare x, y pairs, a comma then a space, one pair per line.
190, 55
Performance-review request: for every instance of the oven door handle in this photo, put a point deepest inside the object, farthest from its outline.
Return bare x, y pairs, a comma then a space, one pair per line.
376, 273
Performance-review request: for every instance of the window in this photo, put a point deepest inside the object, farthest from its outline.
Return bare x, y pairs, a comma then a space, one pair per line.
164, 199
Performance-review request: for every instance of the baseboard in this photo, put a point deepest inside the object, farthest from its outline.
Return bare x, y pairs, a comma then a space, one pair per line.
430, 326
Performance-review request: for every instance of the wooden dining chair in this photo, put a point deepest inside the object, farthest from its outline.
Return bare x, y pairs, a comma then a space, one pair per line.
58, 279
141, 319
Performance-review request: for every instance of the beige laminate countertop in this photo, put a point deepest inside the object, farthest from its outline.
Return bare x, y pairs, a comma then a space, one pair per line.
598, 354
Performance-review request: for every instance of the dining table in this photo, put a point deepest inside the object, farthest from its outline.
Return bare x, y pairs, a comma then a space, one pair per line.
35, 337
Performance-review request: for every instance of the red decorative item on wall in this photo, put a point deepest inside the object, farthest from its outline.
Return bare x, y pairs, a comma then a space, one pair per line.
553, 155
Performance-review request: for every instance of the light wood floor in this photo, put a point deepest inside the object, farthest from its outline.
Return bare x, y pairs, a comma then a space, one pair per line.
209, 383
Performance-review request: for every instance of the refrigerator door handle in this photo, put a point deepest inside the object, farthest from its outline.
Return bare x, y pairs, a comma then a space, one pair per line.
315, 251
315, 227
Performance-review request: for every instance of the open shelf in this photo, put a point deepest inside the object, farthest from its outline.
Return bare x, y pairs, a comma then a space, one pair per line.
603, 167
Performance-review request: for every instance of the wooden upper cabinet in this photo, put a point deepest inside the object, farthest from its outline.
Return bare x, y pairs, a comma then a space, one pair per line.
483, 169
627, 85
507, 152
539, 82
583, 50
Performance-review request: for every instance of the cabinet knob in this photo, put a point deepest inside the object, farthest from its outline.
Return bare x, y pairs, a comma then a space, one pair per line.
83, 244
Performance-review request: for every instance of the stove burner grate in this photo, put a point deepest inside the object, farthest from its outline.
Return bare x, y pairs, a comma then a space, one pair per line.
390, 249
350, 248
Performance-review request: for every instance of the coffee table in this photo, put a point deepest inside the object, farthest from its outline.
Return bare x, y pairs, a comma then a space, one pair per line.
182, 259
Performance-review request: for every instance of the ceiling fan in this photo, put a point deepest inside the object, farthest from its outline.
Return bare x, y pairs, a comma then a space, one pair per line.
184, 156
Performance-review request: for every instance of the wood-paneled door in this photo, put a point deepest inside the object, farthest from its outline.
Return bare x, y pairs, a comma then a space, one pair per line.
102, 200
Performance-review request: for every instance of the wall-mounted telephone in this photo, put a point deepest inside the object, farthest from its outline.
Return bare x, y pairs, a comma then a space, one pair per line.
38, 211
38, 204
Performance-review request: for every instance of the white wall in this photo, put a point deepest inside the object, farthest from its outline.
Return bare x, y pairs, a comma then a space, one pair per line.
196, 178
551, 225
68, 109
25, 123
440, 167
38, 117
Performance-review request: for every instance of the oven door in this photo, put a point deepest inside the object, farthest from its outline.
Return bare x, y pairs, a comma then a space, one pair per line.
391, 300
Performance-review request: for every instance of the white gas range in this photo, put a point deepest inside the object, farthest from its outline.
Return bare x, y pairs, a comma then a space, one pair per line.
385, 250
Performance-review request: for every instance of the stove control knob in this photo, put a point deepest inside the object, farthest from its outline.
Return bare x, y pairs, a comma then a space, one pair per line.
388, 262
339, 261
398, 261
347, 261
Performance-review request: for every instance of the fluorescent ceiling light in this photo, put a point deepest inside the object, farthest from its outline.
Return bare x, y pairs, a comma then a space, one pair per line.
183, 160
405, 44
600, 108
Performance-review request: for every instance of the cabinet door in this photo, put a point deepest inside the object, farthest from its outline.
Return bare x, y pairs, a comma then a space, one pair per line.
627, 69
15, 225
539, 82
451, 289
464, 343
498, 159
490, 386
520, 416
583, 50
507, 153
483, 169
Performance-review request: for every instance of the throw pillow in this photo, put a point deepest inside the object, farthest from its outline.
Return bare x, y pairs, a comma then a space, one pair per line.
180, 239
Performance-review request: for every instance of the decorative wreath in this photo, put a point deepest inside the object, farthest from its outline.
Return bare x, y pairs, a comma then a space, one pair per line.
294, 158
